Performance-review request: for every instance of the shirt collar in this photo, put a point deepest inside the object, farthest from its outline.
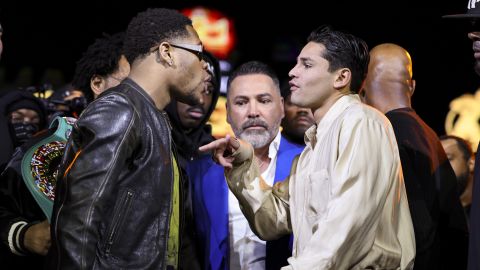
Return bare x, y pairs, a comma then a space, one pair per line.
337, 108
274, 146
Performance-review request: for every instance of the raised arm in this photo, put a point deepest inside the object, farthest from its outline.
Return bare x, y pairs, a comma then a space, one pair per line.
266, 208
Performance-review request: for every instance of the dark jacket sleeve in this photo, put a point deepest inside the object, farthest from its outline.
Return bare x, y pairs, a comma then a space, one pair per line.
474, 243
18, 209
103, 140
453, 222
441, 232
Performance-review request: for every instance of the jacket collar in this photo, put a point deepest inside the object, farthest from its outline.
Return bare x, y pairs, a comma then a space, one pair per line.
140, 90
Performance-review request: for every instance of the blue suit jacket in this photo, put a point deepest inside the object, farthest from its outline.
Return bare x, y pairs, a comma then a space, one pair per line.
210, 207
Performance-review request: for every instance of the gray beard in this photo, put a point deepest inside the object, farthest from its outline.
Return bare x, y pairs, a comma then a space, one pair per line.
257, 138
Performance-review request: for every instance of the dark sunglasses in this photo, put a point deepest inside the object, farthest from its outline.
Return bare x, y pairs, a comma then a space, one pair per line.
195, 49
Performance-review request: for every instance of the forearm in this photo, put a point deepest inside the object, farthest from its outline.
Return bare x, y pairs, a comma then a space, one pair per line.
266, 208
16, 211
16, 235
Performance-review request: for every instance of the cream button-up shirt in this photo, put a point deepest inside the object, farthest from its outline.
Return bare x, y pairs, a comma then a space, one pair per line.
344, 200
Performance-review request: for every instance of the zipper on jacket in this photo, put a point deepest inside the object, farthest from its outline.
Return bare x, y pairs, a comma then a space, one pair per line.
181, 202
165, 117
56, 223
118, 218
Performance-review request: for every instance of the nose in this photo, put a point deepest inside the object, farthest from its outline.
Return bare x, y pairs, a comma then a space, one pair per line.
292, 73
253, 111
474, 36
302, 111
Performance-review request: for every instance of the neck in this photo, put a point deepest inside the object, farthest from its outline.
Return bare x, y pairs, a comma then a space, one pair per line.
261, 155
395, 100
320, 112
466, 197
155, 86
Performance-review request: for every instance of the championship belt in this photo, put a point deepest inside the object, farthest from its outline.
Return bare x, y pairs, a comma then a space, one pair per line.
40, 164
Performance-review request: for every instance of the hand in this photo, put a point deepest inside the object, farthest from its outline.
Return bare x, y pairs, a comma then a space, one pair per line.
37, 238
222, 150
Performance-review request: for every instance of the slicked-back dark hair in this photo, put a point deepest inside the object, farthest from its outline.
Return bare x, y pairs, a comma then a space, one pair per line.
101, 58
343, 50
464, 146
152, 27
254, 67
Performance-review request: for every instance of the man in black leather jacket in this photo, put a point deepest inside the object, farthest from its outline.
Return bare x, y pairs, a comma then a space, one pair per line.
119, 200
24, 228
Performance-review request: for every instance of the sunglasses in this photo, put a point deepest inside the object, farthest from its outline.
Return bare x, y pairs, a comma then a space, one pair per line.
197, 50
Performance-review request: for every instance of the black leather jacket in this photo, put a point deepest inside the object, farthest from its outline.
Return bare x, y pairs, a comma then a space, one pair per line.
113, 199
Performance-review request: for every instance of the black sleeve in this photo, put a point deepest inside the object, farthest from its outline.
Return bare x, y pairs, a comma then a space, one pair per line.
18, 208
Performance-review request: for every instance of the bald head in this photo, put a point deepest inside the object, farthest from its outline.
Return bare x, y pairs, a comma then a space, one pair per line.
389, 84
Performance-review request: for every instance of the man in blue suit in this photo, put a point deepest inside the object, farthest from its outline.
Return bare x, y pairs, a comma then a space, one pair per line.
254, 110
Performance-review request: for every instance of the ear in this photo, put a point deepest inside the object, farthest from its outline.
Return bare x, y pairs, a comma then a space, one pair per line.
165, 54
471, 163
283, 107
343, 78
123, 65
228, 114
413, 83
97, 83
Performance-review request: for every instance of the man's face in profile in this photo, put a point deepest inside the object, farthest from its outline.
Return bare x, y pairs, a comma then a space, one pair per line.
474, 35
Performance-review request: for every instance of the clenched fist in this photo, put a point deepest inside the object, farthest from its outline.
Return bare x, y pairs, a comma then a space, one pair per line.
37, 238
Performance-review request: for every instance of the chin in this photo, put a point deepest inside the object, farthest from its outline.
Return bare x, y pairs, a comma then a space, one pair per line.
477, 67
297, 102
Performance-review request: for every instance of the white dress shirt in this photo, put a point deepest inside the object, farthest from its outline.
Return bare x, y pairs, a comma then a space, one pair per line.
247, 251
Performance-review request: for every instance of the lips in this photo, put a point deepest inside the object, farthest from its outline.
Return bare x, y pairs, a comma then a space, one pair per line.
303, 120
293, 86
255, 127
476, 49
255, 124
196, 113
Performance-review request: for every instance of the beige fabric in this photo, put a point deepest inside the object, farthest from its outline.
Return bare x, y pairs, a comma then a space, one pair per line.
346, 202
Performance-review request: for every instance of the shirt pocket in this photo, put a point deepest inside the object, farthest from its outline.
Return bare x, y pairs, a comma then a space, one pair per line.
318, 192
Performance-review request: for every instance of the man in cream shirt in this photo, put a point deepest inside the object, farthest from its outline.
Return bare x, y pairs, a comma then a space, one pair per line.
345, 199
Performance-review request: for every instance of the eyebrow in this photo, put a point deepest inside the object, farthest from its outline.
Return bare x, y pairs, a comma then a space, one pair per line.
305, 59
264, 95
256, 96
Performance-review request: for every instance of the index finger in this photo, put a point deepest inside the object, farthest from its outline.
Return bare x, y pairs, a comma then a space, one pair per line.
213, 145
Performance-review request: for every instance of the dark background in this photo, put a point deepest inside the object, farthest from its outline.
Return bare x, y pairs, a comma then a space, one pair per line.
47, 36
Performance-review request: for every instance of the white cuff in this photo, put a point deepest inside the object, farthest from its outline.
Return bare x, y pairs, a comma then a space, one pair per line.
14, 238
